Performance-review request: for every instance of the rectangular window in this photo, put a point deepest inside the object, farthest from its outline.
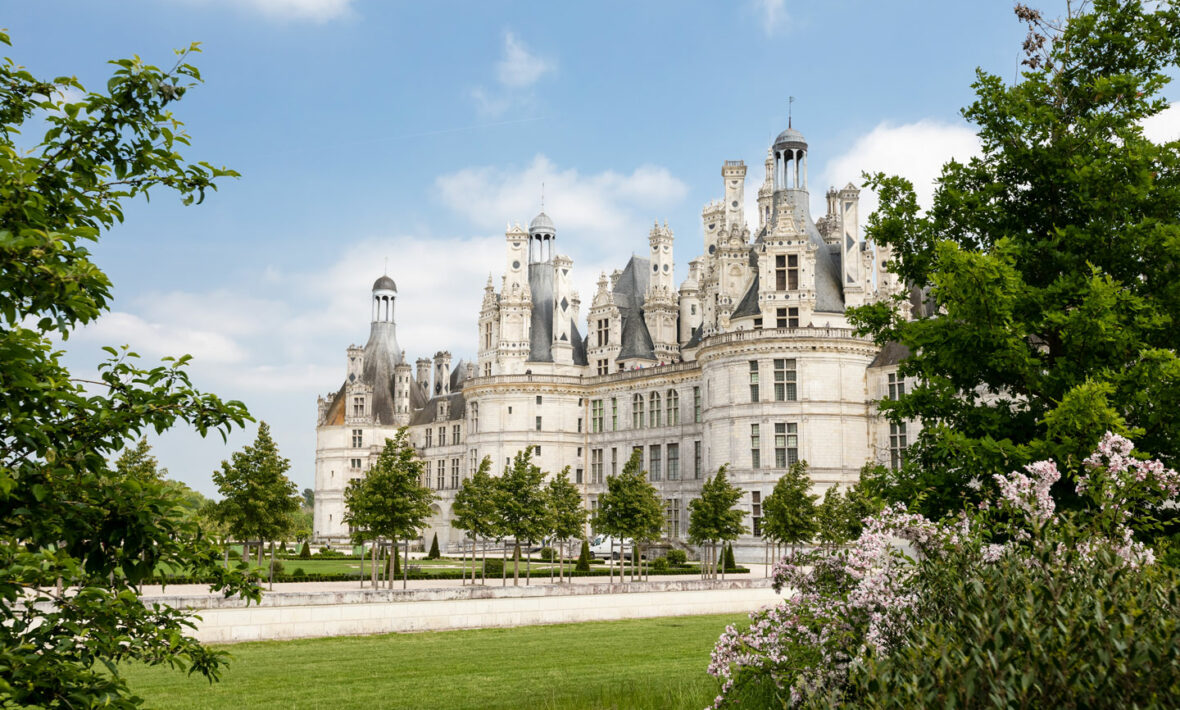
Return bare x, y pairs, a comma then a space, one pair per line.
897, 445
753, 380
784, 381
614, 462
578, 475
354, 464
454, 473
786, 444
673, 462
696, 405
780, 272
637, 412
757, 324
755, 447
696, 460
756, 513
472, 464
614, 414
653, 462
672, 517
780, 318
429, 437
792, 317
455, 438
596, 465
537, 450
358, 438
596, 417
896, 386
655, 410
442, 436
475, 416
538, 424
579, 425
793, 272
673, 417
604, 367
441, 474
538, 400
358, 406
603, 331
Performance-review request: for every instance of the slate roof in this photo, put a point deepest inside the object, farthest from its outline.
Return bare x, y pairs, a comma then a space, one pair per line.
629, 293
890, 355
429, 413
749, 303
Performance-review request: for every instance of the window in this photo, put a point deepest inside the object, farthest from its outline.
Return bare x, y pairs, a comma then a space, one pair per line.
603, 330
358, 438
614, 414
454, 473
487, 369
780, 272
787, 317
696, 404
442, 436
614, 462
579, 425
696, 460
784, 381
358, 406
596, 465
354, 464
786, 444
429, 437
672, 517
538, 400
455, 435
577, 475
897, 444
654, 413
637, 412
755, 447
538, 424
653, 462
673, 417
756, 513
487, 336
475, 416
896, 386
595, 416
472, 464
441, 475
673, 462
753, 380
604, 367
757, 324
793, 272
537, 449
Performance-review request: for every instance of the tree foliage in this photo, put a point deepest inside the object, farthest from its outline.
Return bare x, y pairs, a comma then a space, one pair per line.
520, 502
389, 501
1051, 261
630, 507
259, 501
789, 514
69, 520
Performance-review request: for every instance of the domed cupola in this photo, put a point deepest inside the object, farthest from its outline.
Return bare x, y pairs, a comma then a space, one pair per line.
790, 160
384, 296
542, 234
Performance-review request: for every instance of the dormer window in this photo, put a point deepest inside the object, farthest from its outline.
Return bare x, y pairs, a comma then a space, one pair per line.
786, 272
358, 406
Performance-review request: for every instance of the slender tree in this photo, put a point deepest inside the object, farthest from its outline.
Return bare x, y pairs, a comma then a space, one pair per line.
390, 499
713, 518
630, 508
475, 509
520, 501
567, 515
789, 511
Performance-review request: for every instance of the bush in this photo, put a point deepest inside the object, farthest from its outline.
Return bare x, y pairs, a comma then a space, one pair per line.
676, 558
730, 564
243, 565
329, 553
583, 558
493, 567
659, 565
276, 568
305, 551
433, 554
547, 554
298, 572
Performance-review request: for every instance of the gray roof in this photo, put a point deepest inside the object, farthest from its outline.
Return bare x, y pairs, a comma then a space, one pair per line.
579, 345
790, 138
890, 355
382, 354
384, 283
629, 293
749, 302
543, 223
541, 335
429, 412
829, 294
695, 339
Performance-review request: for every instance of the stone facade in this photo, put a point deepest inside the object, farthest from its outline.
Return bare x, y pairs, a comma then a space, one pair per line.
750, 362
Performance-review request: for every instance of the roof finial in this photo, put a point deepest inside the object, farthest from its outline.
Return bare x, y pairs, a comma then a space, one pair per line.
790, 101
542, 197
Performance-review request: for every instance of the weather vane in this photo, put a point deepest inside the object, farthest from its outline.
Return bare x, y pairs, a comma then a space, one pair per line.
790, 101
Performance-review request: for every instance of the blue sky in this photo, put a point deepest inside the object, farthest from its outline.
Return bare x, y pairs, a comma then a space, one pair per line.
368, 130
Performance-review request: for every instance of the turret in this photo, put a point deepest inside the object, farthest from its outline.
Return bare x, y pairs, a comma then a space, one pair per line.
442, 373
733, 172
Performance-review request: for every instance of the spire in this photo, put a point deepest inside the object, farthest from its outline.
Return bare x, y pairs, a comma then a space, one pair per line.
790, 105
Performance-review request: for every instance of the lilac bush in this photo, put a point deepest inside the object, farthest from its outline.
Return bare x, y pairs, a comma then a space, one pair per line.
846, 606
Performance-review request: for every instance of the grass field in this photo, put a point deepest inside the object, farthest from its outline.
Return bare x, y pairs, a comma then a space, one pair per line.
641, 664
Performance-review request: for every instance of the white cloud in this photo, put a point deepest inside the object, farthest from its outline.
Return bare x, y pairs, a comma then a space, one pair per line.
773, 14
915, 151
519, 68
311, 10
516, 73
156, 339
1164, 126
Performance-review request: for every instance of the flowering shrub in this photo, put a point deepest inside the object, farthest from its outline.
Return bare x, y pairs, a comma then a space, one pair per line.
935, 593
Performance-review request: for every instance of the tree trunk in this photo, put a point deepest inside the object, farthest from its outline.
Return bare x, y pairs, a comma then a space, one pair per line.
272, 567
528, 566
406, 566
227, 555
504, 565
515, 563
392, 550
260, 552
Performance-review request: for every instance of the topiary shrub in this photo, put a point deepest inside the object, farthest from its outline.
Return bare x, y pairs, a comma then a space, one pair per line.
730, 564
329, 553
433, 554
305, 551
493, 567
676, 558
659, 565
276, 568
298, 572
547, 554
584, 558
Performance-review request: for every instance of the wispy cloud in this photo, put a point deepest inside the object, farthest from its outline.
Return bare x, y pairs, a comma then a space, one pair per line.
517, 71
773, 14
303, 10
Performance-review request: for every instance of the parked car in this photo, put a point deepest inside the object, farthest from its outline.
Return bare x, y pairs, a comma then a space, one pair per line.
607, 547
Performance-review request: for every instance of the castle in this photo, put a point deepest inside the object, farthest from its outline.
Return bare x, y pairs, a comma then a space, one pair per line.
750, 362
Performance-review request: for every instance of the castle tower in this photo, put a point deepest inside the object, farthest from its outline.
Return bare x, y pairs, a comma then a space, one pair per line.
402, 382
565, 311
691, 314
422, 375
489, 330
733, 172
659, 304
516, 304
766, 191
442, 374
854, 266
605, 334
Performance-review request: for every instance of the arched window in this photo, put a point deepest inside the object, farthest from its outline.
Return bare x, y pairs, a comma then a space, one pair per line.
637, 412
673, 417
654, 413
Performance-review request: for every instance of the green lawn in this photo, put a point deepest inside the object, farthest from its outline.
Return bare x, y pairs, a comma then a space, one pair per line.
647, 663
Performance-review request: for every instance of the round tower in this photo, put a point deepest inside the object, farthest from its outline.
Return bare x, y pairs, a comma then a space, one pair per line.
384, 296
790, 161
542, 235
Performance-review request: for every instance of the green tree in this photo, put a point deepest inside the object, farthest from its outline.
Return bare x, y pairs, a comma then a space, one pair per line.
259, 501
520, 502
308, 498
567, 515
1049, 262
389, 501
475, 508
831, 519
79, 538
789, 511
631, 508
433, 554
139, 463
712, 518
583, 564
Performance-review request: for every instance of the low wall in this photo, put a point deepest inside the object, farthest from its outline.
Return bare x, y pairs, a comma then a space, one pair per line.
292, 615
